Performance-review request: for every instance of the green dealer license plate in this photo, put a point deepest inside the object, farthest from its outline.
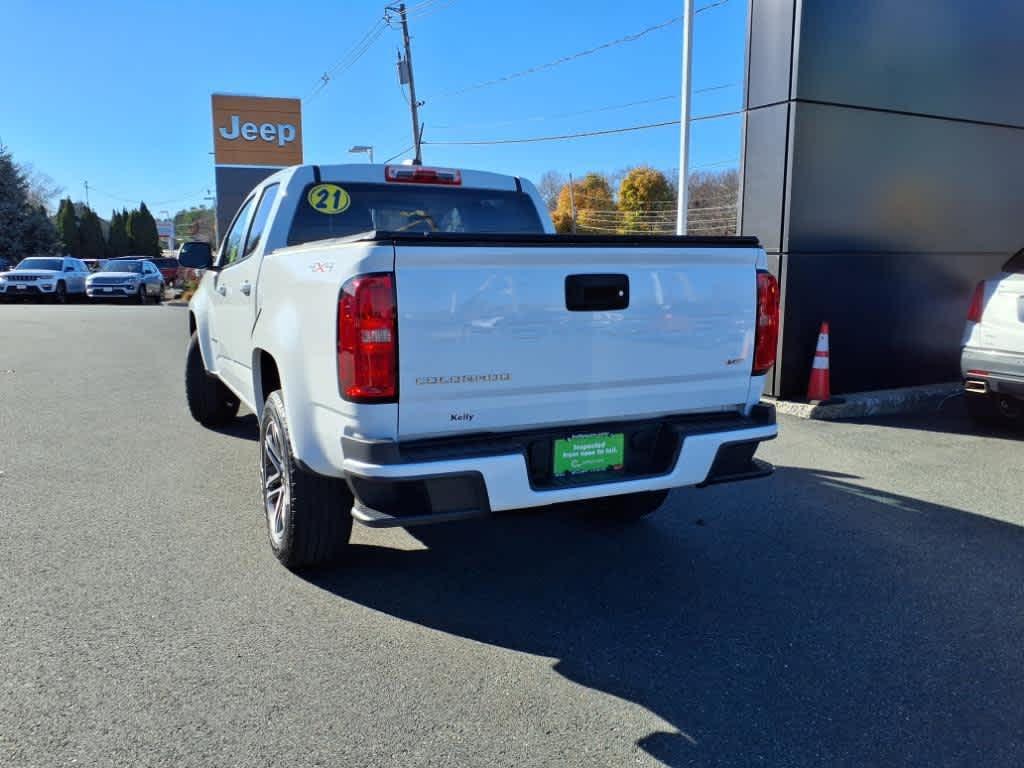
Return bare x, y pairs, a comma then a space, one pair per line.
589, 453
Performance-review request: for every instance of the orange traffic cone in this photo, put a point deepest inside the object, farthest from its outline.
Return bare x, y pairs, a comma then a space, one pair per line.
818, 388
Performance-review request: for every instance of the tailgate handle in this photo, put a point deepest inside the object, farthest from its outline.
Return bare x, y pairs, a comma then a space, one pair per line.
596, 293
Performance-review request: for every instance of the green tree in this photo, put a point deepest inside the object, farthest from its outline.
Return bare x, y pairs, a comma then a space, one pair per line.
646, 202
67, 228
595, 207
38, 237
144, 235
24, 229
195, 223
129, 240
91, 235
115, 240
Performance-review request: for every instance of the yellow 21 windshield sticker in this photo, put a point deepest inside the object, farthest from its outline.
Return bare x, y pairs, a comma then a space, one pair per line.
328, 198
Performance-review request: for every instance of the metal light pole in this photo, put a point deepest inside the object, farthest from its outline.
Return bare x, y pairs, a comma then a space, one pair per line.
362, 149
684, 120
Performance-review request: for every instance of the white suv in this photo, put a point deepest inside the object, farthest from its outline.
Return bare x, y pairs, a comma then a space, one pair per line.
53, 277
992, 360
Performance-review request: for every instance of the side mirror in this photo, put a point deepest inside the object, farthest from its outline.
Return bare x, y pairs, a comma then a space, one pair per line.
196, 255
69, 269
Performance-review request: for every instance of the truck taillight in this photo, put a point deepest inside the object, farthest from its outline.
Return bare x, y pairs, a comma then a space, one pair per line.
766, 335
368, 340
977, 308
417, 174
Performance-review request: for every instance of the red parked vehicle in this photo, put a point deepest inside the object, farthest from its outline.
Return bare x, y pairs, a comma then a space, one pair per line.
168, 268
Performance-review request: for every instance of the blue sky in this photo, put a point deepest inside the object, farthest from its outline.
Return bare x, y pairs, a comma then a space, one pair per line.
118, 93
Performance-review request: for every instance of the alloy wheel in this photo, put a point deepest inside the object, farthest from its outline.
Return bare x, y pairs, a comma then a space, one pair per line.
274, 471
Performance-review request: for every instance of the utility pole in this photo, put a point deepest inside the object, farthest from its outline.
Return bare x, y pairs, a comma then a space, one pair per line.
87, 195
572, 202
405, 76
684, 121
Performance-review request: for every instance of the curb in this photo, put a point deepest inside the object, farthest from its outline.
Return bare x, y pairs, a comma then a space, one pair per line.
882, 402
175, 303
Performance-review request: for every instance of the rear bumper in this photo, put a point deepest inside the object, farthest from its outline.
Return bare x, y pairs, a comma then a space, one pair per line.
991, 371
399, 484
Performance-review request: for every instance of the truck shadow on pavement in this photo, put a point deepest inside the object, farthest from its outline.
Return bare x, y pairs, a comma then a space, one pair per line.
245, 427
803, 620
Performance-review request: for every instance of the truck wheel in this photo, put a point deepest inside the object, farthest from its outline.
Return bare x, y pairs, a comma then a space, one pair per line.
981, 409
308, 520
1010, 410
60, 295
209, 401
629, 507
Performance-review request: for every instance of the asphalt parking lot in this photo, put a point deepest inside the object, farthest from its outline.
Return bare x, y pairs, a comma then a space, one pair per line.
864, 606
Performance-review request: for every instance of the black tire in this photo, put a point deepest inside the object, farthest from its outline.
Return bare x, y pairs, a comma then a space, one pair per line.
308, 520
60, 295
995, 410
160, 294
981, 409
209, 401
1009, 410
141, 297
627, 508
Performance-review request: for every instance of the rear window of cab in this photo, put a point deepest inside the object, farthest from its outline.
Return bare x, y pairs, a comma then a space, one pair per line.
338, 209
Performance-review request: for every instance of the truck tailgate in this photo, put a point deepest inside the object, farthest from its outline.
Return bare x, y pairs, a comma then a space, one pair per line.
487, 341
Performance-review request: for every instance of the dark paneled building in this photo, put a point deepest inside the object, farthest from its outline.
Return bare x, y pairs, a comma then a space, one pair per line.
884, 173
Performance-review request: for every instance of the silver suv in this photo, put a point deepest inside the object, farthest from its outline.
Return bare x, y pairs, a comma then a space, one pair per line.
135, 279
57, 278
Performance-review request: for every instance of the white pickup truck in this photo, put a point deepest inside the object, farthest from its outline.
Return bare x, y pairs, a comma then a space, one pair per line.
419, 346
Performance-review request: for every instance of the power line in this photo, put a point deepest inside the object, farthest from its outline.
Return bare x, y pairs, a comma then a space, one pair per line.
664, 215
353, 55
714, 88
154, 203
398, 154
421, 6
593, 110
559, 61
716, 115
709, 6
360, 48
424, 9
556, 138
703, 198
559, 116
578, 55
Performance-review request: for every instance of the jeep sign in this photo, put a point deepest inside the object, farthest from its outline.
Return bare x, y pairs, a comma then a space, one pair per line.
253, 130
282, 133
